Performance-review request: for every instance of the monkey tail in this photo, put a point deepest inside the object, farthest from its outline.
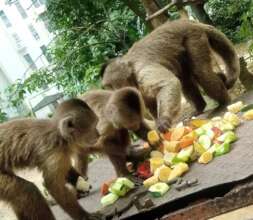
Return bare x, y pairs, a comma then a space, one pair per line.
224, 47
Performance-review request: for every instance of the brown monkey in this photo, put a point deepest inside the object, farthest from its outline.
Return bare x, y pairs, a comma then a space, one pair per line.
176, 54
48, 145
118, 112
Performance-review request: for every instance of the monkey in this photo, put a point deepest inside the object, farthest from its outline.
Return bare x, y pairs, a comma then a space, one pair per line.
173, 59
119, 112
47, 144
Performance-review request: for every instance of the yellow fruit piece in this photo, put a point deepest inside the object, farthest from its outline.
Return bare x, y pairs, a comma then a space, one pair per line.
153, 137
178, 170
199, 149
232, 118
150, 181
156, 153
177, 134
206, 157
171, 146
198, 122
248, 115
155, 163
236, 107
163, 173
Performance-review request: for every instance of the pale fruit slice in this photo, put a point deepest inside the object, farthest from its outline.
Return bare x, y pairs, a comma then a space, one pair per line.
199, 148
171, 146
150, 181
109, 199
236, 107
205, 141
153, 137
168, 158
155, 163
232, 118
158, 189
177, 134
156, 153
178, 170
163, 173
228, 137
184, 155
248, 115
206, 157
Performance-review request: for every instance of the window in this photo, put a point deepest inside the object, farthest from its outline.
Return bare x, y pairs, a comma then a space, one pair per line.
36, 3
30, 62
45, 53
34, 32
17, 40
5, 19
20, 9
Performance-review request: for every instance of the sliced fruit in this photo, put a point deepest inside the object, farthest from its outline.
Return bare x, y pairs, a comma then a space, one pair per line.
228, 137
188, 139
109, 199
236, 107
118, 189
168, 158
205, 157
104, 189
198, 122
200, 131
178, 170
163, 173
199, 148
171, 146
166, 136
205, 141
210, 133
150, 181
155, 163
248, 115
217, 132
222, 149
177, 134
126, 182
158, 189
184, 155
247, 108
156, 153
153, 137
232, 118
217, 118
146, 145
143, 170
227, 126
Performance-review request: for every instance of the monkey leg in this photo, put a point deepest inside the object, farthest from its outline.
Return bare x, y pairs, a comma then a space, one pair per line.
192, 93
24, 197
159, 83
199, 54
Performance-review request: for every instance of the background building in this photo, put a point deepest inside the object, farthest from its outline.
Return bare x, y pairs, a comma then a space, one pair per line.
23, 42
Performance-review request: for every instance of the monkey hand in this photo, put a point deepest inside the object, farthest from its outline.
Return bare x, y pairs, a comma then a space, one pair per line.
163, 124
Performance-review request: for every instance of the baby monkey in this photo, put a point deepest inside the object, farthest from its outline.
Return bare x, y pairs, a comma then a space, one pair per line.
49, 145
119, 112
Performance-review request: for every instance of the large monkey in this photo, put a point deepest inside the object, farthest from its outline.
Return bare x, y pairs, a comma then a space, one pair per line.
178, 51
118, 112
49, 145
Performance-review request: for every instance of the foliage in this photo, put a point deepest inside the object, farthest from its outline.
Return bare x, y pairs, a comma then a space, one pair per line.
3, 116
229, 16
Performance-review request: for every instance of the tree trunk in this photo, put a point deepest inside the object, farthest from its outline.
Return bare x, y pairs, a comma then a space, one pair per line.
151, 7
200, 13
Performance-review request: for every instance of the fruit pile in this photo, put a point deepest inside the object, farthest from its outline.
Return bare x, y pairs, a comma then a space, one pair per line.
201, 140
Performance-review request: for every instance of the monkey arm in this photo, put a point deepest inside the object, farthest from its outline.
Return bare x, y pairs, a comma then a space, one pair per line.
55, 180
143, 130
161, 84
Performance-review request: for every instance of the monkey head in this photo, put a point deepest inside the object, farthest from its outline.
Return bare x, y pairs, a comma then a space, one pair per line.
125, 109
118, 73
76, 122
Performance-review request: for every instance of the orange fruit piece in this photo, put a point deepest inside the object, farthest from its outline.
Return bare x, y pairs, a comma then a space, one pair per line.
167, 136
186, 141
177, 134
198, 122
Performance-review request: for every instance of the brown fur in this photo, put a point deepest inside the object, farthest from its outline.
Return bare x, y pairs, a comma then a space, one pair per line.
176, 54
48, 145
118, 112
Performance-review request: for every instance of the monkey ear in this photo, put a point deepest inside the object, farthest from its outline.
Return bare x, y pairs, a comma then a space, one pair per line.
66, 127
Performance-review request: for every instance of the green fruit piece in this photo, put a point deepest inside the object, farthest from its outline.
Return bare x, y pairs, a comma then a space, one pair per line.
199, 131
118, 189
205, 141
109, 199
184, 154
158, 189
222, 149
126, 182
228, 137
247, 107
168, 158
199, 148
210, 133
